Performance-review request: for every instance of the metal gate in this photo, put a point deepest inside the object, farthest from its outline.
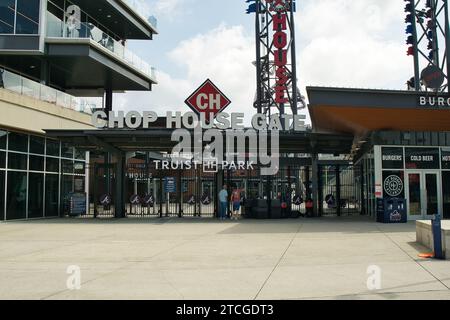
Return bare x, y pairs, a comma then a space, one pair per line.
338, 192
102, 195
291, 184
169, 193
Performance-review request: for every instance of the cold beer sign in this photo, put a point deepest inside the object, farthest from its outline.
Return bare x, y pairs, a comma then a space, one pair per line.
208, 100
280, 8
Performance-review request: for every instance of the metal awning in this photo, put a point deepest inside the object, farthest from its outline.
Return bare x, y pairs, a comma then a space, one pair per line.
159, 140
360, 111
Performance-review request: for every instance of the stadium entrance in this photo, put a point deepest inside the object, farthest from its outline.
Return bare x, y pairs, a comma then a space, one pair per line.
124, 182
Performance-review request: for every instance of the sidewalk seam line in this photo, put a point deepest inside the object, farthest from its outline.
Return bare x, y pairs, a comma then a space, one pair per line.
415, 260
279, 261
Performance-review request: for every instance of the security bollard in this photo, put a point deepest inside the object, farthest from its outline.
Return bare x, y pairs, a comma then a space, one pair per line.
437, 236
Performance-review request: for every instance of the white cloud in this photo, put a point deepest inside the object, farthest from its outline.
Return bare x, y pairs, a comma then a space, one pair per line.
223, 54
353, 43
341, 43
169, 9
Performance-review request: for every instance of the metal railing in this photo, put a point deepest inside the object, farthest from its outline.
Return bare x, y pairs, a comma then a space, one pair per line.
136, 5
82, 30
16, 83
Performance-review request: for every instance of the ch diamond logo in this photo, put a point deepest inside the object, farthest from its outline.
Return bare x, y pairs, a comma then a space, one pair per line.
208, 100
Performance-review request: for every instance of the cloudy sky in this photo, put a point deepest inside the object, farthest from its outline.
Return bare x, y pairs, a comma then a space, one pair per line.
343, 43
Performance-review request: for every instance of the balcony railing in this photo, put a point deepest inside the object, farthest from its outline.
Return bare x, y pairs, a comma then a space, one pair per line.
33, 89
81, 30
136, 6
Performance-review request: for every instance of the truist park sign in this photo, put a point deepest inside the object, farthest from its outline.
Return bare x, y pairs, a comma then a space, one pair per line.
209, 137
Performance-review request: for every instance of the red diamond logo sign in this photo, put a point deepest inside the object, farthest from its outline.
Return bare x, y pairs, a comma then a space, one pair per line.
208, 100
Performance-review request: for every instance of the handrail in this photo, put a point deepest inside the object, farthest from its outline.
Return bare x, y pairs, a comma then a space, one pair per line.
24, 86
82, 30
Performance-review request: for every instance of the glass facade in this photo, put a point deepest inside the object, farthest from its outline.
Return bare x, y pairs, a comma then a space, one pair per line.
446, 193
32, 178
420, 174
19, 16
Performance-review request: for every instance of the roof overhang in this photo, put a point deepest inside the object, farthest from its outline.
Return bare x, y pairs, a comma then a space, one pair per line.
159, 140
360, 111
86, 64
119, 17
78, 64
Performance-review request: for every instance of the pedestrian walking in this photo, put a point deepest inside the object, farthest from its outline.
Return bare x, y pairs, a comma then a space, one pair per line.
236, 201
223, 202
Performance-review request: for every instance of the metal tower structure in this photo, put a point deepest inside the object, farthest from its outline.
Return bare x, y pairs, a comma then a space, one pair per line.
277, 91
428, 31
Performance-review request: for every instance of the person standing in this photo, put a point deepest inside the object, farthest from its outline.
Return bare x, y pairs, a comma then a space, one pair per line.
223, 203
236, 201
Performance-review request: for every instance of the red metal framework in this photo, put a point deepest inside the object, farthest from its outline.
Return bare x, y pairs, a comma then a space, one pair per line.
277, 90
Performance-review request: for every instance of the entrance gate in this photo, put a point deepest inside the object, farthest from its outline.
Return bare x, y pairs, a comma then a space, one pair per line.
152, 193
169, 193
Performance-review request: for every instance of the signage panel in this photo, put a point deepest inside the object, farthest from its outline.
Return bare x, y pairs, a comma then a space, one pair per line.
422, 158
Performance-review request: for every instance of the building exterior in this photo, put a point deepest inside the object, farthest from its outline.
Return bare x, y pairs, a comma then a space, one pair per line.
62, 59
401, 144
59, 61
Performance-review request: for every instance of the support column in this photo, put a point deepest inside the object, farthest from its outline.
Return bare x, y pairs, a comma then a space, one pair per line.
338, 191
315, 182
45, 72
180, 195
120, 186
108, 99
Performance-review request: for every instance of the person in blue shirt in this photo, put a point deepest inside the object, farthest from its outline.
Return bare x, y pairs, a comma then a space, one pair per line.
223, 203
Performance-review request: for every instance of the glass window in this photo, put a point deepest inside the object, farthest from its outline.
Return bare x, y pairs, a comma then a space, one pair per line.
2, 195
55, 17
2, 160
78, 184
3, 135
67, 185
67, 166
18, 142
37, 145
7, 12
446, 193
51, 195
52, 148
16, 195
36, 163
67, 151
17, 161
80, 154
36, 195
79, 167
27, 20
52, 165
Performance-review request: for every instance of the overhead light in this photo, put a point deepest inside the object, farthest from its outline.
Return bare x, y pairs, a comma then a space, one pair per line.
32, 67
108, 16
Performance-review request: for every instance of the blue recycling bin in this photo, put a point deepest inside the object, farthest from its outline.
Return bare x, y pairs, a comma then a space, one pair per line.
391, 210
437, 236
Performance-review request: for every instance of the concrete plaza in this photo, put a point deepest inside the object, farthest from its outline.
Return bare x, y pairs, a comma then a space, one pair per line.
326, 258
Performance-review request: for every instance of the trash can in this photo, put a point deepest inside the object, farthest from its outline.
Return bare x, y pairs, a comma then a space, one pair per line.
437, 236
391, 210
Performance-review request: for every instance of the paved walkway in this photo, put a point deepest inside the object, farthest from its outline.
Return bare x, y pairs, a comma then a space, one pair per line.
205, 259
